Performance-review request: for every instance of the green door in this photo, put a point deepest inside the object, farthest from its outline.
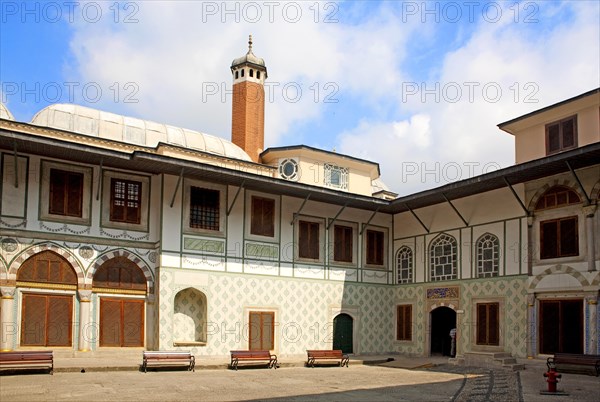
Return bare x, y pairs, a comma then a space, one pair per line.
342, 333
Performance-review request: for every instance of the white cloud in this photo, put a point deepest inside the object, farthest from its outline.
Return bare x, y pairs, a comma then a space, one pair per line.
177, 49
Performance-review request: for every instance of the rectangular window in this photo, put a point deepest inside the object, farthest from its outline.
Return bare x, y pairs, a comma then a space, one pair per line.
561, 135
204, 208
308, 240
125, 200
343, 243
263, 217
336, 176
66, 193
262, 330
488, 331
404, 323
375, 247
559, 238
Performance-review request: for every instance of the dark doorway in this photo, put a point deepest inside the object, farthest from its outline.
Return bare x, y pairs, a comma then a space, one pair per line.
443, 319
342, 333
561, 326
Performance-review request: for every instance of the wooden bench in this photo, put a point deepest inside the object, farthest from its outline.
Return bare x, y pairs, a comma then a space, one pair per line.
238, 356
327, 355
30, 359
168, 359
571, 359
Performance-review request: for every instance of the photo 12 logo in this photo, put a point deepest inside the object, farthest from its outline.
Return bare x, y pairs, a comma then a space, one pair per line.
269, 11
69, 91
69, 11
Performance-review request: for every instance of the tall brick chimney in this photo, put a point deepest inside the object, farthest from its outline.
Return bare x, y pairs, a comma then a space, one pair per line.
248, 110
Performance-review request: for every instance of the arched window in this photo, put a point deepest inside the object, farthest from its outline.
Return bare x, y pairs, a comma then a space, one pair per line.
47, 267
251, 73
488, 256
120, 273
557, 196
443, 258
404, 265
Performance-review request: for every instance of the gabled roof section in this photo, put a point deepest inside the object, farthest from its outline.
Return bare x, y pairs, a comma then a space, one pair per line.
508, 126
109, 126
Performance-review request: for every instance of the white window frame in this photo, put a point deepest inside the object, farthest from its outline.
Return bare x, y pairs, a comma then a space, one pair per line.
344, 176
187, 189
107, 176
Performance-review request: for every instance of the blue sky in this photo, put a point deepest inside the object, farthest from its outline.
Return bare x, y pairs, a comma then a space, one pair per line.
409, 84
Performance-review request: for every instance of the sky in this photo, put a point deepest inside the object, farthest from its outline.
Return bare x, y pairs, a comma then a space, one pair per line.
416, 86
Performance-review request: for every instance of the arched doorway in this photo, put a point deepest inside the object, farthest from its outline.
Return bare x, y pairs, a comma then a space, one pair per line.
46, 317
121, 313
343, 327
443, 319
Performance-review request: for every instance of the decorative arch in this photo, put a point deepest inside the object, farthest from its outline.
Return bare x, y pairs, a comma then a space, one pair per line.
487, 248
47, 246
126, 254
404, 265
559, 269
49, 268
595, 193
3, 269
443, 258
571, 185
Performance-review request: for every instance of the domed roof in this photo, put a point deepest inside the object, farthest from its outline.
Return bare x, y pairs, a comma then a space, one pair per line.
249, 58
114, 127
5, 113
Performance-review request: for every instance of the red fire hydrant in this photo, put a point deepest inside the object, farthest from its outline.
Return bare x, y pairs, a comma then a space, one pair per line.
552, 379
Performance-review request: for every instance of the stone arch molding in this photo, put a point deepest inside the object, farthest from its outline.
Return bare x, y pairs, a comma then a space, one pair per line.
595, 193
556, 182
46, 246
443, 304
559, 269
137, 260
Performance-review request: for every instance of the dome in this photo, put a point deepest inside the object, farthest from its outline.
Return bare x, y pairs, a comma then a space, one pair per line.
5, 113
249, 58
114, 127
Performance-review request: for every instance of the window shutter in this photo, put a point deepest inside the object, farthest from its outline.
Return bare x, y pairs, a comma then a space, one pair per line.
481, 324
549, 239
57, 192
75, 194
494, 330
314, 240
568, 133
33, 320
110, 322
59, 320
569, 244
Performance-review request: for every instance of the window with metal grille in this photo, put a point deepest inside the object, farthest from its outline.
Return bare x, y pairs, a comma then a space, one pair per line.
404, 322
342, 243
375, 247
561, 135
488, 256
336, 176
488, 330
443, 258
308, 240
204, 208
125, 200
66, 193
559, 238
263, 217
404, 265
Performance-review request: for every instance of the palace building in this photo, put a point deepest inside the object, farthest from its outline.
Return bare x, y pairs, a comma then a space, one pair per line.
117, 232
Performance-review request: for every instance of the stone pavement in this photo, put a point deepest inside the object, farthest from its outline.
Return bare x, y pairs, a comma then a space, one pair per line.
404, 379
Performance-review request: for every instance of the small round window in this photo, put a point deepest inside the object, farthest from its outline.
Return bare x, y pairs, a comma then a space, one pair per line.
288, 169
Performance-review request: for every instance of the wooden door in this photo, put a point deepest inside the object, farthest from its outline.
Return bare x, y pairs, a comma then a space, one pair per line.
46, 320
343, 333
561, 326
121, 322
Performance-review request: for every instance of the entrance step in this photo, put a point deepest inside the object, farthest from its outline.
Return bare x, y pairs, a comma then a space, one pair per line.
483, 359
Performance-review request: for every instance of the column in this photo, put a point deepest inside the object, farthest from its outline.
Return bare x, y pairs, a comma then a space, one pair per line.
8, 326
531, 326
150, 322
530, 245
85, 331
588, 212
591, 308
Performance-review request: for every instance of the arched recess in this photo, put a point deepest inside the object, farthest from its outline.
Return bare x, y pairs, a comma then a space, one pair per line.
559, 269
189, 317
556, 184
38, 248
121, 253
123, 287
46, 316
